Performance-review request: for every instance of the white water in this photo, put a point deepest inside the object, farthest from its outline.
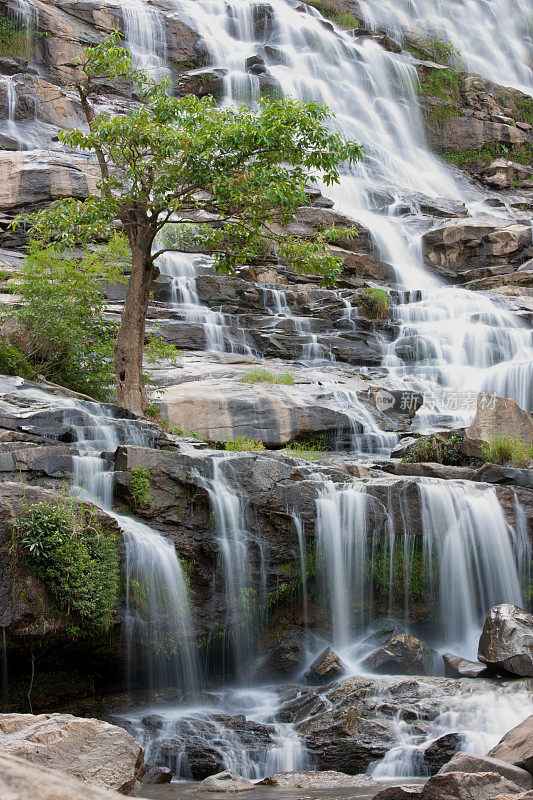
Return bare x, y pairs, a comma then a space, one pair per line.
469, 557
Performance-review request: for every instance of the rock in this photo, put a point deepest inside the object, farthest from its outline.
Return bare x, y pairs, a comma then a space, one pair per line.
402, 655
321, 779
439, 752
516, 747
506, 641
470, 762
20, 780
157, 775
468, 243
467, 786
325, 668
202, 82
457, 667
398, 793
383, 635
286, 653
89, 749
228, 781
496, 416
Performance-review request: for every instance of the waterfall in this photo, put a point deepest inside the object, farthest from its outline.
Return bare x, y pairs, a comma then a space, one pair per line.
493, 39
275, 302
145, 37
464, 559
158, 625
374, 96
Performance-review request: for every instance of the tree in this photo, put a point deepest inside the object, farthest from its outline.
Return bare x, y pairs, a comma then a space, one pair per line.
222, 179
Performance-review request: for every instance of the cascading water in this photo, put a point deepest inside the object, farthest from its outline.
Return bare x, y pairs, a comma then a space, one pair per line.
493, 39
275, 301
465, 554
144, 35
373, 94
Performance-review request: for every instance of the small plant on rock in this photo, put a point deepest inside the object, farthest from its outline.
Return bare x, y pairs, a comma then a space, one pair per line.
436, 450
243, 444
374, 303
262, 375
508, 450
140, 482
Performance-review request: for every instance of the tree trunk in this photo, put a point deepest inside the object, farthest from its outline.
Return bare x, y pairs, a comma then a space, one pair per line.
131, 393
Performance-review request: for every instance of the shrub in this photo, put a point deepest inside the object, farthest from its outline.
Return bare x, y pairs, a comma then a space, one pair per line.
140, 483
436, 49
374, 303
344, 19
78, 561
14, 362
262, 375
508, 450
437, 449
243, 443
14, 43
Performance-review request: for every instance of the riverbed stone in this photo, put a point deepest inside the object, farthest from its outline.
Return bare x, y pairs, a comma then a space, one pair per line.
457, 667
472, 762
402, 655
496, 416
516, 747
506, 642
317, 779
325, 668
227, 781
89, 749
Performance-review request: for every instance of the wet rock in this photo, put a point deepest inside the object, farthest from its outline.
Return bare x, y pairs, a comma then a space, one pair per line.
319, 779
286, 653
255, 64
88, 749
202, 82
439, 752
402, 655
227, 781
467, 786
199, 759
157, 775
398, 793
471, 762
496, 416
325, 668
21, 780
457, 667
383, 635
516, 747
506, 641
153, 722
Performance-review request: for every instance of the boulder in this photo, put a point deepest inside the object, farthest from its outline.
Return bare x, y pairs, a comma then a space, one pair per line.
22, 781
457, 667
325, 668
496, 416
506, 642
157, 775
471, 762
227, 781
516, 747
440, 751
467, 786
398, 793
402, 655
202, 82
286, 653
467, 243
89, 749
319, 779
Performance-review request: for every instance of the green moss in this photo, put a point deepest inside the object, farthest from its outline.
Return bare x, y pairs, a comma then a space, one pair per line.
329, 10
441, 83
140, 481
374, 303
435, 49
520, 106
522, 154
75, 557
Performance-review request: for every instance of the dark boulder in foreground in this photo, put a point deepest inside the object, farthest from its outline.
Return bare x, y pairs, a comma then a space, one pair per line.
325, 668
402, 655
506, 642
457, 667
516, 747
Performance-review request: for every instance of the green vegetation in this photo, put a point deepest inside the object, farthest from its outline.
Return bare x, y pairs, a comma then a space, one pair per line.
435, 49
344, 19
64, 545
14, 43
140, 485
394, 577
508, 450
441, 83
14, 362
249, 168
4, 275
265, 376
437, 449
520, 106
374, 303
522, 154
310, 450
243, 444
